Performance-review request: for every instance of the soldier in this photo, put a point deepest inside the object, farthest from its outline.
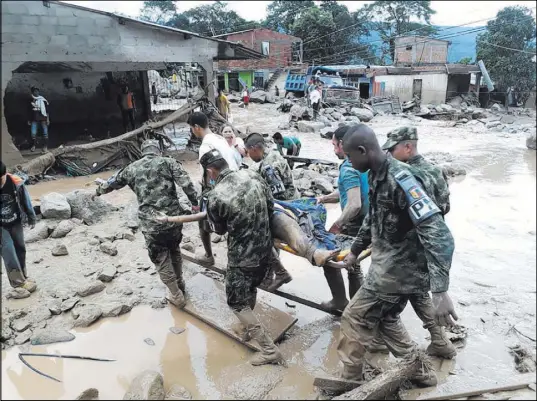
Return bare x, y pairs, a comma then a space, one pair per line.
153, 179
402, 144
411, 254
241, 205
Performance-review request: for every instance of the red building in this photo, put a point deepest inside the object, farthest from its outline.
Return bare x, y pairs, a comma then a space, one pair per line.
281, 50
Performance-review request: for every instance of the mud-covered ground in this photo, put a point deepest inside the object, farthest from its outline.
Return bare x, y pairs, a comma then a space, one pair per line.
492, 282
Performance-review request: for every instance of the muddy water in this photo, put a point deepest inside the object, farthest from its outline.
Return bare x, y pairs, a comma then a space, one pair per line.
493, 219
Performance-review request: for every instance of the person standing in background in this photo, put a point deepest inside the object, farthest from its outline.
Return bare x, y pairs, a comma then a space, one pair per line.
246, 97
154, 93
15, 205
223, 104
126, 103
39, 117
315, 100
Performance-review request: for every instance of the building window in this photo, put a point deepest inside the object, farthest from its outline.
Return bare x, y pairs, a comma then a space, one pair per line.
265, 48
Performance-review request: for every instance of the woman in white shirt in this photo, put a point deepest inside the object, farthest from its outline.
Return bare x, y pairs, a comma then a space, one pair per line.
237, 144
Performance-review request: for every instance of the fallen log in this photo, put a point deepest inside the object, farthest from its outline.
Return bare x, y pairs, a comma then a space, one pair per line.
387, 383
335, 386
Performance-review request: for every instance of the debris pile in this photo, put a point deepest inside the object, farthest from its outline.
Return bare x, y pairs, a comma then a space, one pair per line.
316, 179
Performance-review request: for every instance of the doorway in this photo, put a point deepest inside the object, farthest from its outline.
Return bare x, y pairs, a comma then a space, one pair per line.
221, 82
364, 90
416, 88
233, 82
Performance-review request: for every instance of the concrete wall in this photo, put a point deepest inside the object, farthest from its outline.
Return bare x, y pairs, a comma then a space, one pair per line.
280, 52
32, 32
457, 84
433, 86
420, 50
89, 103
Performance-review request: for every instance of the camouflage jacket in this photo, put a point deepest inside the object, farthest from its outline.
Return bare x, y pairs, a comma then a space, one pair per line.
434, 181
407, 257
241, 205
282, 168
153, 179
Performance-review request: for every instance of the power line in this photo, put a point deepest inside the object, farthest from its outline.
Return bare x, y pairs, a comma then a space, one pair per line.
507, 48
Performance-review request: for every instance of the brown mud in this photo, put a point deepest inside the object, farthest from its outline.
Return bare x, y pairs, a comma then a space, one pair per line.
493, 283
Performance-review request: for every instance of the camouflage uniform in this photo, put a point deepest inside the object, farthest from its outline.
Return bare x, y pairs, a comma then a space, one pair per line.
411, 254
281, 167
153, 179
435, 183
241, 205
434, 180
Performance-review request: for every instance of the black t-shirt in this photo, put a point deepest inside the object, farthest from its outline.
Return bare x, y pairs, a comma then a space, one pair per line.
9, 210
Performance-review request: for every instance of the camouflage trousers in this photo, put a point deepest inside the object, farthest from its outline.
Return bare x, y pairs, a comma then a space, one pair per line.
242, 283
165, 253
368, 316
14, 254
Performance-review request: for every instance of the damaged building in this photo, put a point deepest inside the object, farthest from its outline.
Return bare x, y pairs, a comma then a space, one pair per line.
79, 58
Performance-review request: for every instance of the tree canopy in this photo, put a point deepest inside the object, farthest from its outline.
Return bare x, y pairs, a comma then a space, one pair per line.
507, 48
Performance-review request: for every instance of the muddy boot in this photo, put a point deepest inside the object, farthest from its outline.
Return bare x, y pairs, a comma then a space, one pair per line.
356, 278
45, 146
30, 286
378, 347
337, 288
425, 377
267, 281
369, 372
270, 354
205, 259
321, 256
282, 277
440, 345
350, 372
176, 296
241, 332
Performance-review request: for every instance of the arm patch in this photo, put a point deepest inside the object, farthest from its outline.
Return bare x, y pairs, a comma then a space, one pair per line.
420, 206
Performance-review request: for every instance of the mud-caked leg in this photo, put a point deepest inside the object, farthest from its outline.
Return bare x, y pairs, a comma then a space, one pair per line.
205, 236
177, 263
14, 270
440, 345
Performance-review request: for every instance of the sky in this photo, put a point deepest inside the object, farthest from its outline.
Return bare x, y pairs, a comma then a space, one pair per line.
447, 12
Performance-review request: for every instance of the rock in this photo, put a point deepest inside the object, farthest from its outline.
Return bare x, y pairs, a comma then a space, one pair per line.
94, 241
310, 126
107, 274
258, 97
364, 115
507, 119
50, 336
114, 309
87, 209
108, 248
39, 232
86, 315
325, 121
327, 132
60, 250
177, 392
120, 289
333, 173
497, 108
303, 184
131, 215
39, 314
18, 293
55, 206
24, 337
189, 247
54, 306
21, 324
352, 119
284, 126
297, 112
148, 385
492, 124
337, 116
89, 394
90, 288
478, 113
324, 185
531, 142
69, 304
125, 234
62, 229
446, 108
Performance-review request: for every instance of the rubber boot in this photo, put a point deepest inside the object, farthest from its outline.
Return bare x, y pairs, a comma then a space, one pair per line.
45, 146
440, 345
337, 288
270, 354
351, 372
30, 286
369, 372
356, 278
282, 277
241, 332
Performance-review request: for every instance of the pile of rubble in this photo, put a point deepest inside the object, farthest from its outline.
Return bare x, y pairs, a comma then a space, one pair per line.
316, 180
258, 96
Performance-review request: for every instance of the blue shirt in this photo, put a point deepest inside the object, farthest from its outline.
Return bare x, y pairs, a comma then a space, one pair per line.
350, 178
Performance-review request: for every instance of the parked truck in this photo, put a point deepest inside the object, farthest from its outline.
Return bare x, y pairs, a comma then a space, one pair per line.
334, 90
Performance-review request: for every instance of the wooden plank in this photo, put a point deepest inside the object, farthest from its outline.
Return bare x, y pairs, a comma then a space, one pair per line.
207, 301
306, 160
334, 385
473, 393
295, 298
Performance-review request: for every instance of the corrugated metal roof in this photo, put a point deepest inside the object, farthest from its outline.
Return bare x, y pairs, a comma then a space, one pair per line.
245, 51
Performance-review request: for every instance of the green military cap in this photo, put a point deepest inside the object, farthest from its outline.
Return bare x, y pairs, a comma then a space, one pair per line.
150, 147
210, 157
399, 135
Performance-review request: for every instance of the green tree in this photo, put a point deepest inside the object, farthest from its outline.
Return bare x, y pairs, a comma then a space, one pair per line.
507, 48
159, 12
281, 14
465, 60
393, 18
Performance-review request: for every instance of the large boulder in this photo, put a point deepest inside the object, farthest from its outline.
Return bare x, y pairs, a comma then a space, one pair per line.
310, 126
297, 112
55, 206
258, 97
530, 141
88, 208
63, 229
364, 115
148, 385
324, 185
39, 232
